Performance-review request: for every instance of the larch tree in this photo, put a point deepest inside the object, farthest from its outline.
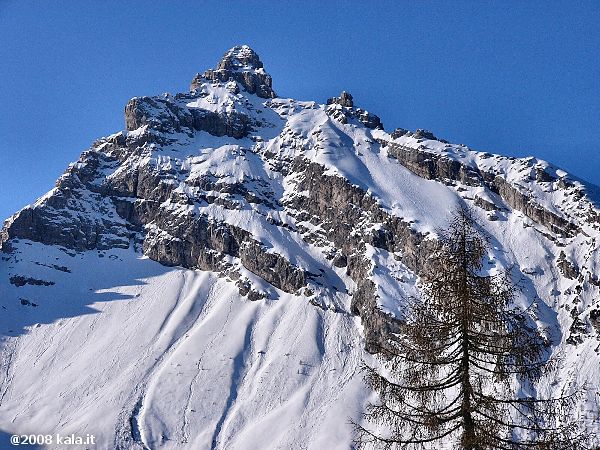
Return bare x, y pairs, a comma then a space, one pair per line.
448, 378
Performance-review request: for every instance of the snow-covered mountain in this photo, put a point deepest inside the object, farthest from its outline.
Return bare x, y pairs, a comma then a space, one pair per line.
212, 276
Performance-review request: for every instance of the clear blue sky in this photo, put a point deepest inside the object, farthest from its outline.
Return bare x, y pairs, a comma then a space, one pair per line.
516, 78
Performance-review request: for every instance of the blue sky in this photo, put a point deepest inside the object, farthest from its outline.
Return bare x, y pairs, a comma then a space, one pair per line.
515, 78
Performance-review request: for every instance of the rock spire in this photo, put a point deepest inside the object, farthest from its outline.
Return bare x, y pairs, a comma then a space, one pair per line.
242, 65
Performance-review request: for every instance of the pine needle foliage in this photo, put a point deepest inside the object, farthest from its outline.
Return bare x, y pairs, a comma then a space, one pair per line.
447, 380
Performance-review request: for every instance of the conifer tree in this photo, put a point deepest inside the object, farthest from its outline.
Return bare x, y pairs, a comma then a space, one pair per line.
447, 380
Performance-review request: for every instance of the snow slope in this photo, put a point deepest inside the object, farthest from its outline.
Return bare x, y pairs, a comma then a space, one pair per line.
177, 355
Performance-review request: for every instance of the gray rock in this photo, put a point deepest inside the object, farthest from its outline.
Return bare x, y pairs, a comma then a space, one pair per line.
523, 202
26, 302
343, 209
567, 268
348, 111
435, 166
19, 281
344, 115
165, 116
484, 204
543, 176
432, 165
424, 134
345, 99
271, 267
339, 260
399, 132
242, 65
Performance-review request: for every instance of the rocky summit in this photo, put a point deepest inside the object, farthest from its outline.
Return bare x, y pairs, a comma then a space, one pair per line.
212, 276
239, 65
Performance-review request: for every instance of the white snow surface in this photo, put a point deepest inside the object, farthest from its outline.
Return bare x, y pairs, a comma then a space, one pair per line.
179, 352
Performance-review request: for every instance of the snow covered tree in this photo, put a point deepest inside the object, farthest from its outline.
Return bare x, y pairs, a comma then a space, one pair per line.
448, 379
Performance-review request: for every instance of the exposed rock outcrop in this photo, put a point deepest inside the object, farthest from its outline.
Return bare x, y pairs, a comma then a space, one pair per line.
423, 134
342, 109
345, 99
197, 242
595, 319
19, 281
343, 210
432, 166
399, 132
567, 268
242, 65
169, 116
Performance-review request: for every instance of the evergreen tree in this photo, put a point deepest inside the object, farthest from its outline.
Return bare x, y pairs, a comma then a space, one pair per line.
447, 379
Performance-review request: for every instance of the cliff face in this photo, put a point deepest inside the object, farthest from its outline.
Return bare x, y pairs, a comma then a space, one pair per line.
302, 202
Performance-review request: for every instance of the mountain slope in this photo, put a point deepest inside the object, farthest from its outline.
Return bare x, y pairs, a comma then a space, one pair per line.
288, 234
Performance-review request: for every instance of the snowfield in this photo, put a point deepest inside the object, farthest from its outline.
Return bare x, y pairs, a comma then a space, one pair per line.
176, 355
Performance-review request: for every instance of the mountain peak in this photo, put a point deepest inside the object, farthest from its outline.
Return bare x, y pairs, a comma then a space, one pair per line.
240, 57
242, 65
220, 213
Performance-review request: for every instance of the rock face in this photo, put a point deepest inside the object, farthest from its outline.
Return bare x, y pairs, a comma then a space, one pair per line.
567, 268
242, 65
345, 99
71, 216
346, 211
342, 109
168, 115
199, 243
423, 134
399, 132
22, 281
432, 166
304, 198
435, 166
